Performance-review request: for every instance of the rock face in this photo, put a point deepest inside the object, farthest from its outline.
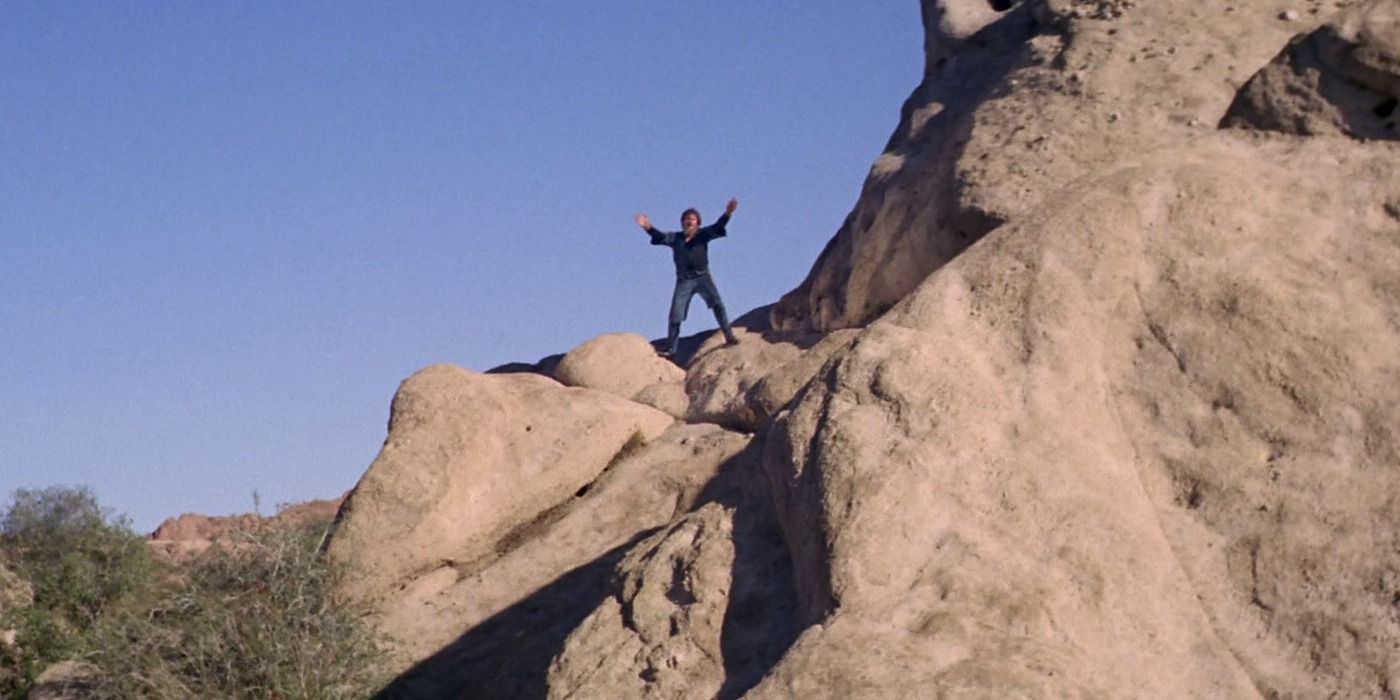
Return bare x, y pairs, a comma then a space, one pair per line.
1011, 108
1342, 78
190, 533
470, 457
1095, 447
1087, 398
625, 365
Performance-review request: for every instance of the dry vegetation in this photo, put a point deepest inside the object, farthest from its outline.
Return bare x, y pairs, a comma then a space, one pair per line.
252, 618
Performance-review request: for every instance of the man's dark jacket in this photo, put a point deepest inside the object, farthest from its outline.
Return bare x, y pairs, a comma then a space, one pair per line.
692, 258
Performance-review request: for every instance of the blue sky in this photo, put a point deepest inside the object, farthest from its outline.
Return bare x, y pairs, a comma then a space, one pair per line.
228, 230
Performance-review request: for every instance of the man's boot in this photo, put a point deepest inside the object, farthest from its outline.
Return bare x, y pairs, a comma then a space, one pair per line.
673, 340
723, 318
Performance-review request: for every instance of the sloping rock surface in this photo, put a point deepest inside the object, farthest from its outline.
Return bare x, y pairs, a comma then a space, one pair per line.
1139, 443
1013, 106
1087, 398
470, 457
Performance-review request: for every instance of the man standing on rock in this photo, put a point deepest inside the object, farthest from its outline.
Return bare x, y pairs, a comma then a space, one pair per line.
689, 250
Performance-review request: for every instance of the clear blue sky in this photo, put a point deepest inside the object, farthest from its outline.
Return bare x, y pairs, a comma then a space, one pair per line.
228, 230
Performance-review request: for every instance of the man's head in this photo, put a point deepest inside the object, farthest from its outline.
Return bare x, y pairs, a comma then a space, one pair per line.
690, 220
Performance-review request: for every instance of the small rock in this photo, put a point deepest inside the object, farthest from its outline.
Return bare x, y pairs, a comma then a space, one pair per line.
1288, 15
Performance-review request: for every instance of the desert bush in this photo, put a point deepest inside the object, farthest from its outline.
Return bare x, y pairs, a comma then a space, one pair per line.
80, 561
80, 564
250, 618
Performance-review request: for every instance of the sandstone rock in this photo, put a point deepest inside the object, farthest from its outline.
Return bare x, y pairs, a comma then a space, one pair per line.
998, 125
1130, 445
1342, 78
663, 633
1120, 423
190, 533
742, 387
665, 396
621, 364
498, 626
702, 609
773, 392
720, 376
469, 458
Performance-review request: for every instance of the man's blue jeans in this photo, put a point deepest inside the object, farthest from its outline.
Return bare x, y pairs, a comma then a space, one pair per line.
686, 289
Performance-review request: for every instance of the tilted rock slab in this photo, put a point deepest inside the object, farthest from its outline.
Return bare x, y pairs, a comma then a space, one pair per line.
1140, 443
468, 458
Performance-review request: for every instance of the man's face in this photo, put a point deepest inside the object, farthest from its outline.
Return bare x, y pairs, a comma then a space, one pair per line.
690, 222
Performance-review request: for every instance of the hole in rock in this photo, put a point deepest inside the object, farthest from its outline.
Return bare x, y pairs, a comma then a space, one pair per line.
1386, 108
1000, 5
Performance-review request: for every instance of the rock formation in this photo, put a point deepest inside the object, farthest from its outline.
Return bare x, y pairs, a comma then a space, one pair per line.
470, 458
1088, 397
1342, 78
191, 533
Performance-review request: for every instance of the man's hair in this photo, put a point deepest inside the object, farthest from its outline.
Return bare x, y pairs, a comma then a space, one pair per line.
696, 212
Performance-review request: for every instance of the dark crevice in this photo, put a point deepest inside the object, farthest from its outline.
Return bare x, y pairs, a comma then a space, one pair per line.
1000, 5
1386, 108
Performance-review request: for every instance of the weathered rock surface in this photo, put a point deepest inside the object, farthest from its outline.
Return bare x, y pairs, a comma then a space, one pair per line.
469, 458
741, 387
701, 609
554, 571
1342, 78
1119, 421
1138, 443
622, 364
1012, 109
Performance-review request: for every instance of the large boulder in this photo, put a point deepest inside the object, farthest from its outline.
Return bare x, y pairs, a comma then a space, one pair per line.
622, 364
1013, 105
1138, 443
1342, 78
456, 621
469, 458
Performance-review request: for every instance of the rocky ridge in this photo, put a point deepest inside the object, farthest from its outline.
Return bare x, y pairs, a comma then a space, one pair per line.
1092, 395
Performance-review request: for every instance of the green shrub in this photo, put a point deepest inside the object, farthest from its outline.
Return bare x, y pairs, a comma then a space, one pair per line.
81, 566
79, 561
253, 618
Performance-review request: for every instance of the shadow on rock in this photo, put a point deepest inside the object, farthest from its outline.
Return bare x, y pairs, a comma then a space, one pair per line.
508, 655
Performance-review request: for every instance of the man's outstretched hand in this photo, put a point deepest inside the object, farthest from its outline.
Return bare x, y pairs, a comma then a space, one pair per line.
731, 206
644, 221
